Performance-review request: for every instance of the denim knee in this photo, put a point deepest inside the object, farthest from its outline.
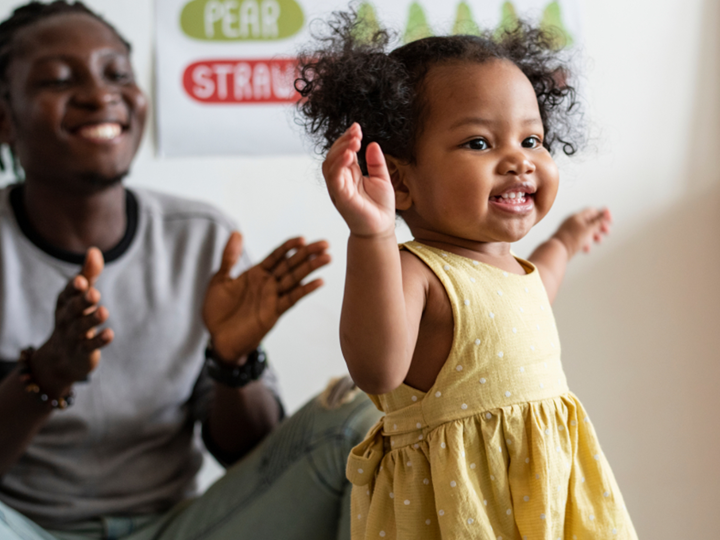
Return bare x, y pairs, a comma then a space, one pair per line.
340, 429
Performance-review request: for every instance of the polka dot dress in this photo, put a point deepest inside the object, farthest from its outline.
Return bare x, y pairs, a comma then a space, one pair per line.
498, 448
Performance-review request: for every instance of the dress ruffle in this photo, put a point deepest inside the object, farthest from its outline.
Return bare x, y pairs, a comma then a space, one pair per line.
505, 473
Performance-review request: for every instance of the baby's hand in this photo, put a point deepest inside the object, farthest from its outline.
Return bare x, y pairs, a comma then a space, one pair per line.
366, 203
580, 230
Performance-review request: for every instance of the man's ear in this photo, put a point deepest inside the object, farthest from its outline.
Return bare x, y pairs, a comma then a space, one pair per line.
7, 130
398, 176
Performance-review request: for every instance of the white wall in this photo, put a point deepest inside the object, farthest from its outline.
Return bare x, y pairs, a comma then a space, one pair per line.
638, 317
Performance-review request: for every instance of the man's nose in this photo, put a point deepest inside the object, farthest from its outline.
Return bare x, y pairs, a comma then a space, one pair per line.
96, 94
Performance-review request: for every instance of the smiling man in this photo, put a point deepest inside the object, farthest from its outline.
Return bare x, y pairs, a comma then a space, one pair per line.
105, 447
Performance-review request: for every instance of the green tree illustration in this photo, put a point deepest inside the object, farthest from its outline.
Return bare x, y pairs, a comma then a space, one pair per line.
417, 25
367, 23
464, 22
552, 21
508, 18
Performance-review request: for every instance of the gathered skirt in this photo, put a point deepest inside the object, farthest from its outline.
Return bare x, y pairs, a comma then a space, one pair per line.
528, 471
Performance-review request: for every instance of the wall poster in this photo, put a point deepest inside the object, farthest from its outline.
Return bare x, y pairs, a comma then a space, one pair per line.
225, 68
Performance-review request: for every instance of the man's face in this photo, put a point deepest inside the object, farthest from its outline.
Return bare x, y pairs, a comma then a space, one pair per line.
74, 114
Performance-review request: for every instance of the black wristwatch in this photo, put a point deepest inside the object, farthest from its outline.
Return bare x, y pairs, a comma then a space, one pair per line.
235, 376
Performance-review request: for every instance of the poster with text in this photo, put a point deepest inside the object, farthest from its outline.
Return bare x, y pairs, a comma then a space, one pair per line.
225, 68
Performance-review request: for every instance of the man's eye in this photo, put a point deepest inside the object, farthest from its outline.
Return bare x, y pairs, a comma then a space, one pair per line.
477, 144
120, 76
55, 83
531, 142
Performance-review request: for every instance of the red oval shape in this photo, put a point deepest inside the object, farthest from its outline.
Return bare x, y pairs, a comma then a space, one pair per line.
242, 81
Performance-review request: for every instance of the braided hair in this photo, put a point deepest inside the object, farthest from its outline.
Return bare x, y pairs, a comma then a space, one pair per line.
23, 17
351, 76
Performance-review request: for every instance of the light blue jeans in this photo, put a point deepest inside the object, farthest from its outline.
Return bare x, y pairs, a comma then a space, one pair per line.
291, 487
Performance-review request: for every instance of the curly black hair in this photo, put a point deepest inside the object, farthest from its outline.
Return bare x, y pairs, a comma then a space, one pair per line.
350, 77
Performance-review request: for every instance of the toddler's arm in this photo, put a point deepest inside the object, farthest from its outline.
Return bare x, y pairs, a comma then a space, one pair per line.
378, 327
577, 232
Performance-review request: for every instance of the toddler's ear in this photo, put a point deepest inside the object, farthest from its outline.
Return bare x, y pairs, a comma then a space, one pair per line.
403, 199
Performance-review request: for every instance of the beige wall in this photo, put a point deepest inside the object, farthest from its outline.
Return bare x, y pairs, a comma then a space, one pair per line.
638, 318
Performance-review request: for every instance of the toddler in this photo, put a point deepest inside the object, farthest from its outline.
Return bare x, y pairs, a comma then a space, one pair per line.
452, 334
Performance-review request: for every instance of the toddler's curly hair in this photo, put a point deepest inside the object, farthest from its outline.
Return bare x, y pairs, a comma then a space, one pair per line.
350, 77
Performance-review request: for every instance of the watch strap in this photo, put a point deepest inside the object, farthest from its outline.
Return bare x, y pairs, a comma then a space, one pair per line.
235, 376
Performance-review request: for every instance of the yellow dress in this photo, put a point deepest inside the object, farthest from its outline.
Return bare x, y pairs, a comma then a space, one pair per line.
498, 448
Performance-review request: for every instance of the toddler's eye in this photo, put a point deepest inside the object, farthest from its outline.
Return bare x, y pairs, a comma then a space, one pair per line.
477, 144
531, 142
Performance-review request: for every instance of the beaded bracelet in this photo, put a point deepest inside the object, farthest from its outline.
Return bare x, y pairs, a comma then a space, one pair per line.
31, 387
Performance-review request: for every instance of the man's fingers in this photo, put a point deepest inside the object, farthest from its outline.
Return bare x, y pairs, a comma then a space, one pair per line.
101, 339
82, 283
93, 266
301, 254
291, 280
231, 254
280, 252
291, 271
77, 306
75, 287
87, 322
288, 300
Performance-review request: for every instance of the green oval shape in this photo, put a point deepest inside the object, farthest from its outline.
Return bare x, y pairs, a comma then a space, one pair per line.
241, 20
464, 22
417, 25
552, 21
367, 24
508, 19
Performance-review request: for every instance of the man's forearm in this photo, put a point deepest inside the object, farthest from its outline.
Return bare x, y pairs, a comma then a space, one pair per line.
22, 416
241, 417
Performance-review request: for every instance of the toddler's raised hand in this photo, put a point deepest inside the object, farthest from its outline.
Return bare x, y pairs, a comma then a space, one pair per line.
581, 230
366, 203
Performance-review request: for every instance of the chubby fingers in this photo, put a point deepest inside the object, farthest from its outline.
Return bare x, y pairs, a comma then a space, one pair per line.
376, 164
343, 153
599, 223
350, 141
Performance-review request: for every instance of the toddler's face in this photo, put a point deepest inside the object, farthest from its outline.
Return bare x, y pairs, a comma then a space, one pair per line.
482, 173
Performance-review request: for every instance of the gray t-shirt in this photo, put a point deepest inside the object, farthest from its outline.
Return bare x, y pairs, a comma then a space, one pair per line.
128, 445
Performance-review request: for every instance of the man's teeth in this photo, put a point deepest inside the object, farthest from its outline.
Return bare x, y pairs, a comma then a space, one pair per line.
101, 131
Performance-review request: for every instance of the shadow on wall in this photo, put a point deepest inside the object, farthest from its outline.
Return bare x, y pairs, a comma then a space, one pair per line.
644, 358
642, 336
